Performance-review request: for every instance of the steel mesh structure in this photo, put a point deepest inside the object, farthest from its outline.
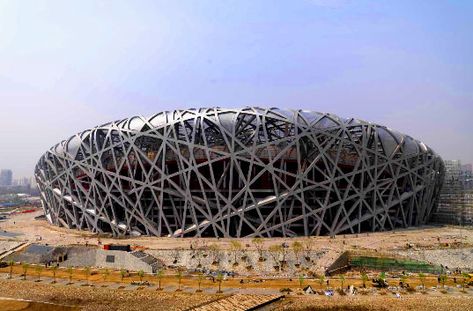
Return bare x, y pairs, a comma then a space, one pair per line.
239, 172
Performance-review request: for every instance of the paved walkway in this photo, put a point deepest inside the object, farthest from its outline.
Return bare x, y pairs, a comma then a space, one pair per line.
238, 302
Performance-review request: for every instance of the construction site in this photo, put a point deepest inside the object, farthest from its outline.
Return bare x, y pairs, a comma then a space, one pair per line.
79, 270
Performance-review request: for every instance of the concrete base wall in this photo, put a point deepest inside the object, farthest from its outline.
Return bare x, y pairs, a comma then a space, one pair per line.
80, 257
121, 260
93, 257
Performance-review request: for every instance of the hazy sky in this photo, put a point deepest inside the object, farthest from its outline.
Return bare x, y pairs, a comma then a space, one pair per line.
69, 65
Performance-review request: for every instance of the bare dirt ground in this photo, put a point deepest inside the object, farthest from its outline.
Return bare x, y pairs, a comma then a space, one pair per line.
10, 304
190, 282
434, 244
96, 298
442, 245
378, 303
428, 237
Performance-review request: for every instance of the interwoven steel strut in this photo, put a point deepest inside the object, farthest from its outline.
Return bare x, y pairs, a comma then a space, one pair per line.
239, 172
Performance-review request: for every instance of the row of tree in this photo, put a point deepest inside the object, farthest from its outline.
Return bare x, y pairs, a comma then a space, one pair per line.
159, 275
278, 252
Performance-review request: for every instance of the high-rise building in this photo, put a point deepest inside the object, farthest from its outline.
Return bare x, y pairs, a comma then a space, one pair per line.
6, 177
22, 182
33, 183
453, 169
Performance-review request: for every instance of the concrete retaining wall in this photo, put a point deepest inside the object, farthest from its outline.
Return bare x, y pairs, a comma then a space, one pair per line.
93, 257
120, 259
79, 256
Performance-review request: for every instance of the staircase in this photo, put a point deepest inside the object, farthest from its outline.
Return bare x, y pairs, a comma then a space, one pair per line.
152, 261
239, 302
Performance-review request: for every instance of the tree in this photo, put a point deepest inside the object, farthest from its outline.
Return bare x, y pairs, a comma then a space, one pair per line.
198, 255
258, 243
25, 267
342, 280
422, 279
105, 274
443, 279
382, 277
122, 274
214, 253
236, 249
159, 276
364, 278
141, 274
204, 248
200, 278
54, 270
175, 255
70, 271
308, 246
284, 253
465, 278
297, 248
11, 263
88, 272
301, 280
403, 279
275, 252
179, 280
321, 280
38, 270
219, 280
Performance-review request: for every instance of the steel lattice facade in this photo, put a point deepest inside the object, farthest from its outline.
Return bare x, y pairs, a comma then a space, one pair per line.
239, 172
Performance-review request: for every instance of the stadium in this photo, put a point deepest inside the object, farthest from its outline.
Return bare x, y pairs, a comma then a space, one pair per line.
218, 172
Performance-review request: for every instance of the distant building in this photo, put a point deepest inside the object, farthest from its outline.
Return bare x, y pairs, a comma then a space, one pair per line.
456, 198
33, 183
22, 182
453, 169
467, 173
8, 185
6, 178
